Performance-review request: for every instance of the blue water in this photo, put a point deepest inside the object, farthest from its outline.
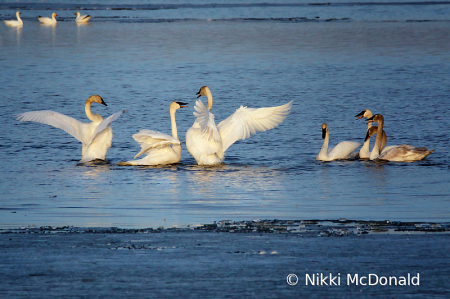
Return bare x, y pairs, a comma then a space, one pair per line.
332, 60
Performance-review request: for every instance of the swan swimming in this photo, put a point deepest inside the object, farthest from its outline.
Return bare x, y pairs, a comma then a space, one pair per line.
14, 23
343, 150
207, 142
50, 21
161, 149
399, 153
96, 137
364, 152
82, 19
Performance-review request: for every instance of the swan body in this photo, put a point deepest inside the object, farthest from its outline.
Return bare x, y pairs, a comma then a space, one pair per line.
398, 153
343, 150
160, 148
207, 142
14, 23
49, 21
96, 136
82, 19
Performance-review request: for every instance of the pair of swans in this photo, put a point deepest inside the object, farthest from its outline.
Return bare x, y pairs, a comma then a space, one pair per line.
14, 23
96, 136
205, 141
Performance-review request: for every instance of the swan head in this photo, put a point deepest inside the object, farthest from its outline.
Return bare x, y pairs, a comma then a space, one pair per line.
177, 105
54, 15
370, 132
324, 130
77, 14
203, 91
365, 113
376, 118
97, 99
18, 13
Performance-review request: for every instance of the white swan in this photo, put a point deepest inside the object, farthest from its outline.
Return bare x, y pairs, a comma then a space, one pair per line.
96, 136
161, 149
49, 21
372, 131
207, 142
343, 150
364, 152
14, 23
82, 19
399, 153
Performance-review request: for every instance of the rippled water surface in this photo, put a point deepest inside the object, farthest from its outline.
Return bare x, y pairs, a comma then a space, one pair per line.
332, 60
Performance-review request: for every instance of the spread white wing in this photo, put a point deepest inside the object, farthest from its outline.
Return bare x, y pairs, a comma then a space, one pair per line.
206, 121
246, 121
57, 120
149, 139
105, 124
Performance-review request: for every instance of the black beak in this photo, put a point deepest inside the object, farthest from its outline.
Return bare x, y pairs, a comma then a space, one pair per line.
324, 133
103, 102
198, 93
182, 105
360, 115
371, 117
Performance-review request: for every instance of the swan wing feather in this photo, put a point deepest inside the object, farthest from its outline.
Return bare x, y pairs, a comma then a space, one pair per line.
149, 139
55, 119
247, 121
343, 150
206, 121
105, 124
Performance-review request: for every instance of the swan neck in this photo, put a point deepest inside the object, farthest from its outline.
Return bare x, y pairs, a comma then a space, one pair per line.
377, 147
210, 99
324, 149
174, 123
93, 117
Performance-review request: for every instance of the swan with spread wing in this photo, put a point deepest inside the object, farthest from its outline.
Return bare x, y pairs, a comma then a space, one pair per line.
160, 148
96, 136
207, 142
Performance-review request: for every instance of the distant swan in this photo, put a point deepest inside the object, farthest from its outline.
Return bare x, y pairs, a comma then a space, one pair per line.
14, 23
400, 153
343, 150
161, 149
96, 136
82, 19
207, 142
364, 152
49, 21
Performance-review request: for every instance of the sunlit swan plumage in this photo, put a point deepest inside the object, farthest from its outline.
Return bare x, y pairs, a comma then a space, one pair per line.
207, 142
14, 23
160, 148
50, 21
96, 136
82, 18
364, 152
343, 150
399, 153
